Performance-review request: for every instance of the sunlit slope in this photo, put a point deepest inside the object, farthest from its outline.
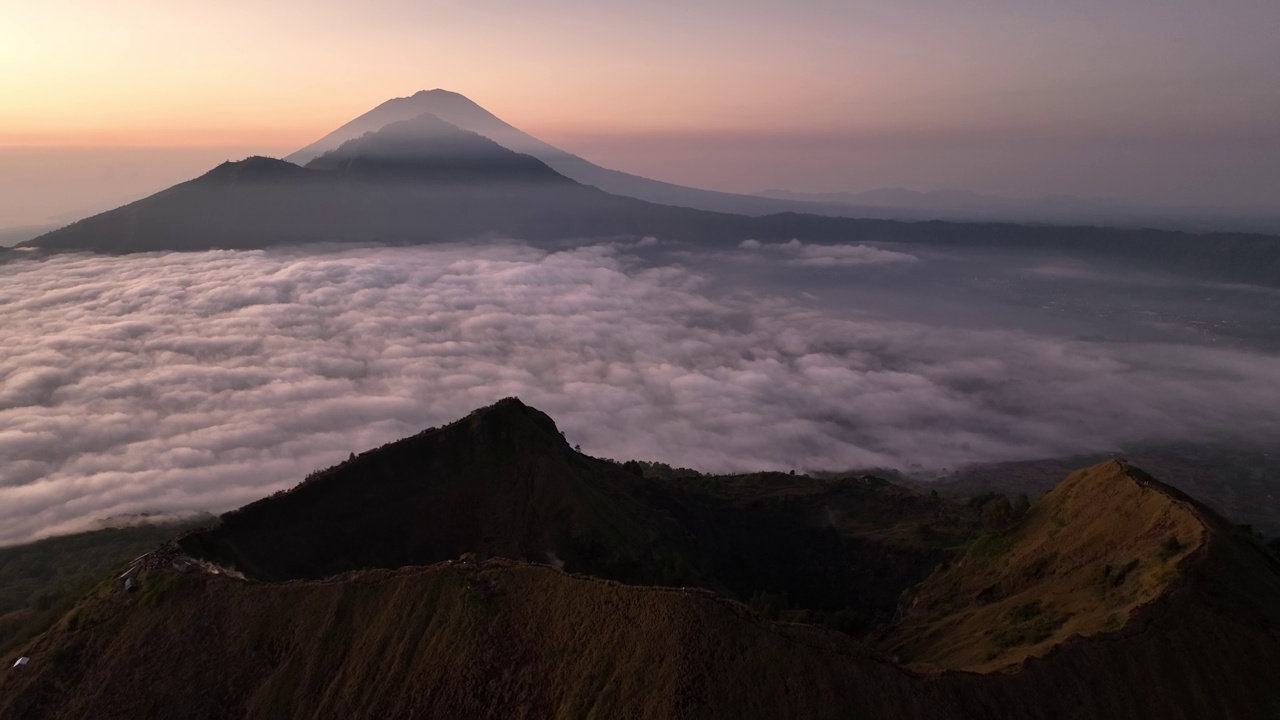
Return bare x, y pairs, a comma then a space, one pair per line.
1104, 542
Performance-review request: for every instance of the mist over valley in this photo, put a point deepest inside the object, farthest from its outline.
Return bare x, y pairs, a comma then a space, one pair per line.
199, 381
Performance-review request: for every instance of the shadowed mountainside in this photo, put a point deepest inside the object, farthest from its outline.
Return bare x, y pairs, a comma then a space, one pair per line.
504, 482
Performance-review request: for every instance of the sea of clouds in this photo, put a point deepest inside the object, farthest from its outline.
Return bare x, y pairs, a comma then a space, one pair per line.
201, 381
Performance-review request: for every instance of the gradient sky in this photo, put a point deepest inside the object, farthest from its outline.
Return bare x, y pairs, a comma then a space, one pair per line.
1161, 101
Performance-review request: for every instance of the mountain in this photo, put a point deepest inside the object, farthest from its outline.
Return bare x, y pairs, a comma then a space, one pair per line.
425, 180
1018, 593
462, 112
881, 204
1191, 631
420, 180
501, 482
426, 149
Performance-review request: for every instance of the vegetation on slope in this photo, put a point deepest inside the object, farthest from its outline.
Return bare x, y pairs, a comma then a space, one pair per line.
507, 640
1104, 542
1242, 483
452, 641
40, 581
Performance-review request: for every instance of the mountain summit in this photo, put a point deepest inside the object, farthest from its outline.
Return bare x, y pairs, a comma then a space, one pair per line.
461, 111
428, 149
449, 107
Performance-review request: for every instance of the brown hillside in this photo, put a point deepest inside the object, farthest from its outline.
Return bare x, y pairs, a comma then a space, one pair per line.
503, 640
1103, 543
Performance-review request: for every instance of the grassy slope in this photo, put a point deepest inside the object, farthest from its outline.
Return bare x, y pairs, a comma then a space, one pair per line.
502, 640
496, 640
1102, 543
1242, 483
835, 551
40, 581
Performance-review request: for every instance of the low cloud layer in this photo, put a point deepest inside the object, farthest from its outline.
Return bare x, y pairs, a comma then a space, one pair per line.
810, 255
162, 383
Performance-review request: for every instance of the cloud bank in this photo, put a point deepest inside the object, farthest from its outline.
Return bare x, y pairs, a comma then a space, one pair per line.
173, 382
811, 255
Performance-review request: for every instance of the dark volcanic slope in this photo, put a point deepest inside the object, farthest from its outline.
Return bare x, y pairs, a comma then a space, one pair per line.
504, 482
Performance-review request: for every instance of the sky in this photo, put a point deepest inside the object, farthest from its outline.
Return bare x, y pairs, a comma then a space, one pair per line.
1154, 101
171, 382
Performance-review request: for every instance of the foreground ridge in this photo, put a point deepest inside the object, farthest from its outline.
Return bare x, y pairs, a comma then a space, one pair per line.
1188, 631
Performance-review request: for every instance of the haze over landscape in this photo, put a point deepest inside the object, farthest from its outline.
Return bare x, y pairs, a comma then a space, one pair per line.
594, 361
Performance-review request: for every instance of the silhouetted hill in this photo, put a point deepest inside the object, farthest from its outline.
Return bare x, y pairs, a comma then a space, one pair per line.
504, 482
417, 181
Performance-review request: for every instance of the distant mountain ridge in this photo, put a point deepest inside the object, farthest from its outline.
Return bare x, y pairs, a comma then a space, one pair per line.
965, 206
